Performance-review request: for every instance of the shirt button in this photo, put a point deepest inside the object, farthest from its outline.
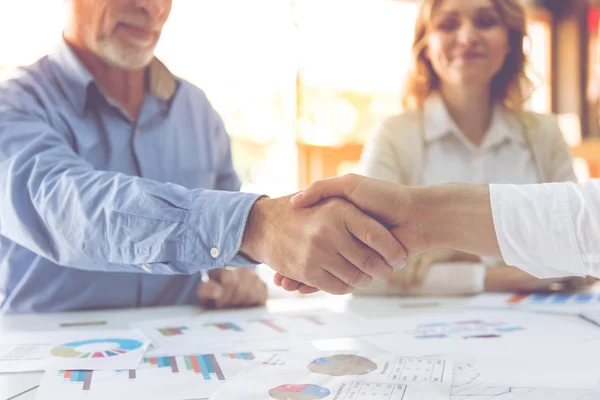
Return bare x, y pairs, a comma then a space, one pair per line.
146, 268
214, 252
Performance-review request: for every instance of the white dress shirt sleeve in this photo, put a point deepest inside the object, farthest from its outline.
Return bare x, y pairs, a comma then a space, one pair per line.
549, 230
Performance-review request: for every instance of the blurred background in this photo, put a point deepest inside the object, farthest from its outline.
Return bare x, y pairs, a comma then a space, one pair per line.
299, 83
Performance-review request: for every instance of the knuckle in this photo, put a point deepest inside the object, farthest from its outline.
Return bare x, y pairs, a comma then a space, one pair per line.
341, 288
371, 233
351, 177
371, 261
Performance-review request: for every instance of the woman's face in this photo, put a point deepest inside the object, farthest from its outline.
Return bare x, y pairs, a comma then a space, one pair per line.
467, 42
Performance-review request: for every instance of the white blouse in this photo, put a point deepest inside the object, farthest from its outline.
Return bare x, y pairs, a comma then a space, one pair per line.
449, 157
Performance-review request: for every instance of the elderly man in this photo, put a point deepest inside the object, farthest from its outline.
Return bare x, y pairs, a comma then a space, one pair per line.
107, 161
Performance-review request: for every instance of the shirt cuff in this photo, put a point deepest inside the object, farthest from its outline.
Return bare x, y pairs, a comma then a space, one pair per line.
535, 230
215, 228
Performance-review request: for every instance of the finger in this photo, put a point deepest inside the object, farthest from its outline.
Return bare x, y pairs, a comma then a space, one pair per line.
300, 287
262, 293
322, 279
226, 299
229, 283
277, 279
290, 285
216, 273
251, 290
347, 271
380, 239
304, 289
320, 190
208, 293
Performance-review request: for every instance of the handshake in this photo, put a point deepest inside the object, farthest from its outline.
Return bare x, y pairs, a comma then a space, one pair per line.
341, 233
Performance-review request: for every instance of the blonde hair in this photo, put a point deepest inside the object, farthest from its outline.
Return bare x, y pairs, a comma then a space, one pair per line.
511, 86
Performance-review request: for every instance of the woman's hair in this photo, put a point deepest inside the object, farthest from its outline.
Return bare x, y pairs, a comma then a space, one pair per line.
511, 86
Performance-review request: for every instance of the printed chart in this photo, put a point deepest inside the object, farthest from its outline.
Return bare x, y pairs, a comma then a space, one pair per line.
299, 392
464, 329
380, 367
187, 377
375, 391
417, 370
109, 347
334, 376
196, 333
564, 303
467, 385
39, 351
482, 392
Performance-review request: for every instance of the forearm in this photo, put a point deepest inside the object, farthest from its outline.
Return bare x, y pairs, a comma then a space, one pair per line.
59, 207
457, 217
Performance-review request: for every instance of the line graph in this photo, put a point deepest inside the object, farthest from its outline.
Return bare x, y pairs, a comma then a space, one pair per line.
483, 392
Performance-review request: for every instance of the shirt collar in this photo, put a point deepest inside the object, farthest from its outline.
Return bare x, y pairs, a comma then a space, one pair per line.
76, 78
438, 124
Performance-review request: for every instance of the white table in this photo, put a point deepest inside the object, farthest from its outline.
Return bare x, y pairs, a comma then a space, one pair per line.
23, 385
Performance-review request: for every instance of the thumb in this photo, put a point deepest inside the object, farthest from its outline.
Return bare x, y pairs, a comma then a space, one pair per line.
210, 290
320, 190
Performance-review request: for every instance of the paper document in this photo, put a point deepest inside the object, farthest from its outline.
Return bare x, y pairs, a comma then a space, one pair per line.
200, 332
343, 377
378, 366
561, 303
160, 378
479, 332
467, 385
98, 350
264, 346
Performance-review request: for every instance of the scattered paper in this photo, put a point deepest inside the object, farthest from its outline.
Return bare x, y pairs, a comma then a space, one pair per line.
93, 350
477, 332
342, 376
561, 303
197, 334
160, 378
467, 385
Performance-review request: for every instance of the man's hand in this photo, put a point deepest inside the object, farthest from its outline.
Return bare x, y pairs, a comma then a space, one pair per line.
332, 246
227, 289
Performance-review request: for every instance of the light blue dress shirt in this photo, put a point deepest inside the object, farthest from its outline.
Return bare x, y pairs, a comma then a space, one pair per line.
98, 211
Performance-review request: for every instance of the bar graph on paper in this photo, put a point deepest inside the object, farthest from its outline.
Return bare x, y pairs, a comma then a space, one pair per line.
568, 303
206, 366
191, 334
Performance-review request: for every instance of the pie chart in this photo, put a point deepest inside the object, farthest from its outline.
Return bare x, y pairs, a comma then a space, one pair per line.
96, 348
342, 365
299, 392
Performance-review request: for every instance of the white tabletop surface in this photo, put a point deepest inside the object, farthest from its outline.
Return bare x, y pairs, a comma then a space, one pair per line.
22, 386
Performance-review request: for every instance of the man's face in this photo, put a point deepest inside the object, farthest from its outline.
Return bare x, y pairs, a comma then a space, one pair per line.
123, 33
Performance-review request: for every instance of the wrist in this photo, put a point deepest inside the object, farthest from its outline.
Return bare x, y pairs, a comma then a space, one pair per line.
429, 215
457, 217
255, 232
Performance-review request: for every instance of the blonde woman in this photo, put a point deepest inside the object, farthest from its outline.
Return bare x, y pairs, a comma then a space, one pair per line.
466, 125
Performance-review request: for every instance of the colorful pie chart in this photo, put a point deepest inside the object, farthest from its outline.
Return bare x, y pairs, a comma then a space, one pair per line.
342, 365
96, 348
299, 392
